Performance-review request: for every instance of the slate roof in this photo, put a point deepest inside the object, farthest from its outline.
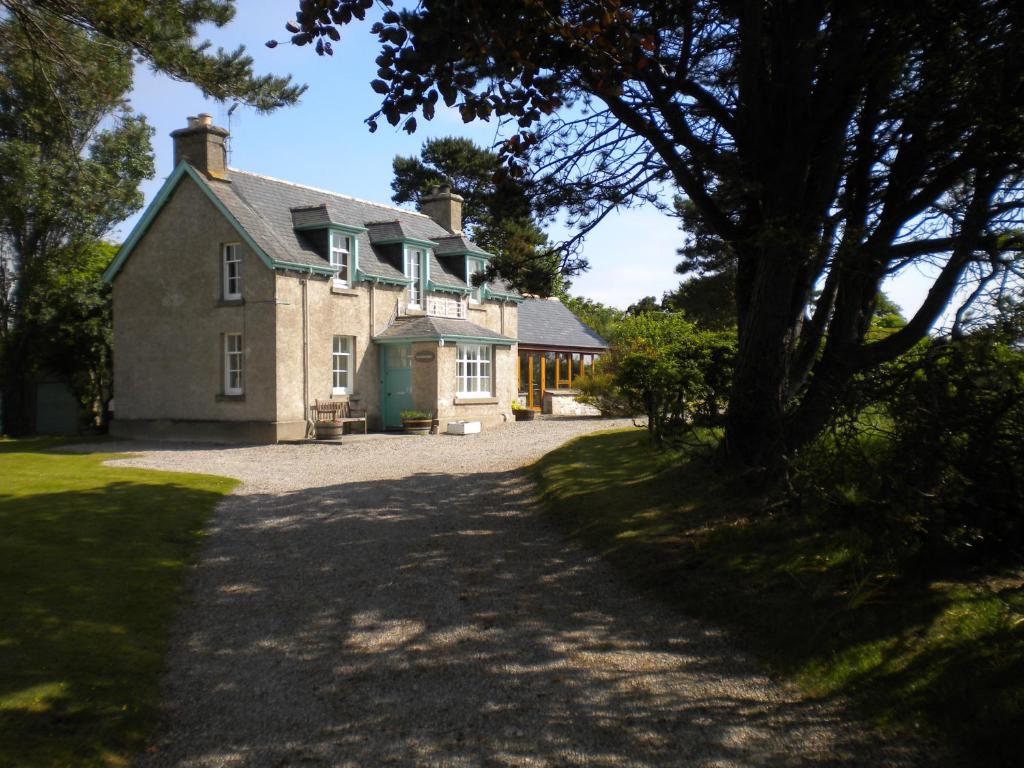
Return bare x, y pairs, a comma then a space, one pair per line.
429, 327
269, 210
549, 323
457, 244
311, 216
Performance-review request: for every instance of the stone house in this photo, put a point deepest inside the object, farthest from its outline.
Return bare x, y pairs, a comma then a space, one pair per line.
239, 300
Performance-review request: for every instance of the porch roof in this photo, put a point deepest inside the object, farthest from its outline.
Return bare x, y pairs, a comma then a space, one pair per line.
428, 328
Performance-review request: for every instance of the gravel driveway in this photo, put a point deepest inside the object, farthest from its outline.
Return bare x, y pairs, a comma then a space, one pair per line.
399, 601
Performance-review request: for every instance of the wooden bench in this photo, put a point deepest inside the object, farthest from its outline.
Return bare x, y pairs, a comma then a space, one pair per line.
338, 410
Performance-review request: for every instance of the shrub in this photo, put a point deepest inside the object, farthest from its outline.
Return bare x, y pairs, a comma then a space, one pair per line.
664, 367
928, 456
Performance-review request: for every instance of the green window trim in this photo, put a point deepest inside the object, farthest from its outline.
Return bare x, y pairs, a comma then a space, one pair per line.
349, 228
407, 241
380, 279
424, 271
489, 294
353, 235
433, 287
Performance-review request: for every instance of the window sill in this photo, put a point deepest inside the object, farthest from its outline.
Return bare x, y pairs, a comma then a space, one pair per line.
343, 289
463, 400
231, 302
222, 398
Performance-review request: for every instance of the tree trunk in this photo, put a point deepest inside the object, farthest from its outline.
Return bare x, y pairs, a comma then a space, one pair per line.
755, 433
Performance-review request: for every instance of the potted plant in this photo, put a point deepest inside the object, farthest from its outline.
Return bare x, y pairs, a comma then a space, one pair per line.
417, 422
329, 430
522, 413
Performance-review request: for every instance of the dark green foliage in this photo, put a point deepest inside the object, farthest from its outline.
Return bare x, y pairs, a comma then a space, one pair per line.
600, 317
928, 457
64, 183
497, 214
646, 304
72, 312
707, 294
664, 367
162, 34
709, 300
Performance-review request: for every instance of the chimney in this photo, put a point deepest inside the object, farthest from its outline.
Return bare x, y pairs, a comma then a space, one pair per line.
444, 207
202, 144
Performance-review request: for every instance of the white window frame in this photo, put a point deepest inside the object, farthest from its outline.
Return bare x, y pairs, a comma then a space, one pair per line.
346, 356
414, 258
341, 256
474, 368
473, 266
231, 271
234, 364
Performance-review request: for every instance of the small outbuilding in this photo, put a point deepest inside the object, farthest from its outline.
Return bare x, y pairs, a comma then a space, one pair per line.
555, 347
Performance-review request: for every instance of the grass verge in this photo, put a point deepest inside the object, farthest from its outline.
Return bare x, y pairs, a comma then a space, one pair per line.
943, 658
92, 562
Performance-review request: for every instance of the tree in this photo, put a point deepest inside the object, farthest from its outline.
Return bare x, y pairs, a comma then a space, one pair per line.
72, 315
707, 294
498, 215
63, 185
645, 305
709, 300
160, 33
665, 367
829, 144
599, 317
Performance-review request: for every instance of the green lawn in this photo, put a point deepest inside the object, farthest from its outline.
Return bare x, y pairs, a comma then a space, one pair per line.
941, 658
92, 562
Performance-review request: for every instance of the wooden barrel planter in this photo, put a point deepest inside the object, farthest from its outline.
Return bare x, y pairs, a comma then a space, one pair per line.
525, 414
329, 430
417, 426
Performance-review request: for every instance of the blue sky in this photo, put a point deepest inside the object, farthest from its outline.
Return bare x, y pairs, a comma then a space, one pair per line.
323, 142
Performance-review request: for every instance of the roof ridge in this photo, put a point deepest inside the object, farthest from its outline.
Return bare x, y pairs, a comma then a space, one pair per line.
329, 192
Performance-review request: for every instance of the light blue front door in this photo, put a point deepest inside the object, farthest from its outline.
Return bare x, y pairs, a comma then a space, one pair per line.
396, 382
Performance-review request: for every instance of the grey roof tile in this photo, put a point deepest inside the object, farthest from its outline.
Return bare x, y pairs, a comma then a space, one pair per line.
549, 323
270, 209
457, 244
437, 327
311, 216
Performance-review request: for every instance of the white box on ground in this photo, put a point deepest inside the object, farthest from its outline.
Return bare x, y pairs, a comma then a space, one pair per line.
463, 427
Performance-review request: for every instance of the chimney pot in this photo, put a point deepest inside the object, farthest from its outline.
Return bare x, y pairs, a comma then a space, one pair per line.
202, 144
443, 207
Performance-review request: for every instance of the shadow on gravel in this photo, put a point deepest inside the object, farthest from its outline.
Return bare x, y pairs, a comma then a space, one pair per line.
434, 620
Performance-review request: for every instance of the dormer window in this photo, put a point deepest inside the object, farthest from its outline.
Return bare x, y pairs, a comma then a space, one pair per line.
473, 267
414, 271
341, 256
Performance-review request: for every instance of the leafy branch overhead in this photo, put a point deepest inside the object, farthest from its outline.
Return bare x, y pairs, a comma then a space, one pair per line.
826, 144
162, 34
499, 216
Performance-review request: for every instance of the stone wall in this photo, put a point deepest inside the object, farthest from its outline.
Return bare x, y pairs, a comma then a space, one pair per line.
360, 312
169, 321
563, 402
